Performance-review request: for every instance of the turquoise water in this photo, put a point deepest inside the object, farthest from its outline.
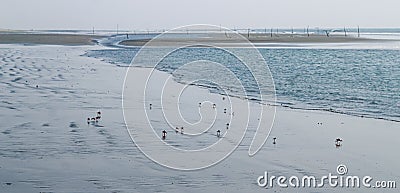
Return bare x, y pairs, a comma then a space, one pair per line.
361, 82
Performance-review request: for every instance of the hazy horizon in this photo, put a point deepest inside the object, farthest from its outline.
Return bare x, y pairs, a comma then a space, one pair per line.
159, 14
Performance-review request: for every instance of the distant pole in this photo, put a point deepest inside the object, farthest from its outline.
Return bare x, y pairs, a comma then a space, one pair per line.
358, 31
308, 34
345, 33
265, 31
93, 30
271, 31
277, 31
292, 31
248, 33
327, 33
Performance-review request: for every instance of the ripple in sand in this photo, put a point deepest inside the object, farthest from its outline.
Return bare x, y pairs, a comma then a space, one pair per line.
16, 79
73, 125
6, 102
6, 132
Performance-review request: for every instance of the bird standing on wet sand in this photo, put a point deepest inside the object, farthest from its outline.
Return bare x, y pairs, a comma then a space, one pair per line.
338, 142
98, 117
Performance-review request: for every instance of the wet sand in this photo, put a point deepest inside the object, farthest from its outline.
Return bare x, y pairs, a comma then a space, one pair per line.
48, 39
222, 40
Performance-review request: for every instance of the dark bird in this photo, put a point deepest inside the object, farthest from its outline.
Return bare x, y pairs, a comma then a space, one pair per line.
338, 142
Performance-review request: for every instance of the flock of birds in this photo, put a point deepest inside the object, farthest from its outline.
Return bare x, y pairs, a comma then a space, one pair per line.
96, 119
338, 141
177, 129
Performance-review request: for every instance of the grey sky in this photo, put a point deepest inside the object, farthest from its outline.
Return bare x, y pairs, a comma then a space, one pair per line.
165, 14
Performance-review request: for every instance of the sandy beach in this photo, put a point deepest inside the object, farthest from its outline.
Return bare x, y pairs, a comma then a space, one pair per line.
226, 40
46, 145
222, 40
48, 39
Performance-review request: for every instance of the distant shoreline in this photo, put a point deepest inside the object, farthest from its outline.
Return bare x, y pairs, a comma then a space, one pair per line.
258, 39
48, 39
220, 39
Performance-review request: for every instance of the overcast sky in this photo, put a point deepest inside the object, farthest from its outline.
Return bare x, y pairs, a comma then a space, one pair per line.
166, 14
